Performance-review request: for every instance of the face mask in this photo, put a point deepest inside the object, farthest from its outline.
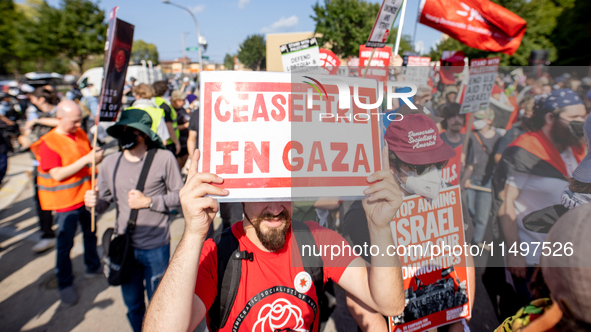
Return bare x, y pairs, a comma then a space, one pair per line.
577, 128
479, 124
426, 185
128, 140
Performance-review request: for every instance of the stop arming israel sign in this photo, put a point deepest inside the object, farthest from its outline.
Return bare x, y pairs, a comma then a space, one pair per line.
273, 136
383, 24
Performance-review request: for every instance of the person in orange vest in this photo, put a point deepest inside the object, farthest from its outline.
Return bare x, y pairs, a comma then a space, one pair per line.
64, 173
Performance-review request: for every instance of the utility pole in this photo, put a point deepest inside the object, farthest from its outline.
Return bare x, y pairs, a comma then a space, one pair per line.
183, 63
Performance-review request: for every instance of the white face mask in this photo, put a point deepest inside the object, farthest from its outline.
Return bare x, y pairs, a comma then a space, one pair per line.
426, 185
479, 124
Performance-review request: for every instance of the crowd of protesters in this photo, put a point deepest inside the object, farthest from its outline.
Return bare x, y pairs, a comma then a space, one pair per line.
524, 167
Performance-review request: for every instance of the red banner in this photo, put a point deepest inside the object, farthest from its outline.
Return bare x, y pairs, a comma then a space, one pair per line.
329, 61
378, 68
481, 24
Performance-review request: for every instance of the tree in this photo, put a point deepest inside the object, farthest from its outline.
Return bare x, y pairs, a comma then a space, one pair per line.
573, 38
141, 50
541, 17
346, 24
252, 52
82, 30
229, 62
7, 34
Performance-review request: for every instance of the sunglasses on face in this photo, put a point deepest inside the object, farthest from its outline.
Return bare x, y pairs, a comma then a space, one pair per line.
422, 169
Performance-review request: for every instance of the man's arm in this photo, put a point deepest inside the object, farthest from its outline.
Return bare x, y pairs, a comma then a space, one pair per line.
64, 172
175, 307
508, 219
381, 286
173, 137
191, 143
49, 122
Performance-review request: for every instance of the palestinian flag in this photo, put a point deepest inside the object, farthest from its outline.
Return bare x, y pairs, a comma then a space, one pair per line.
531, 153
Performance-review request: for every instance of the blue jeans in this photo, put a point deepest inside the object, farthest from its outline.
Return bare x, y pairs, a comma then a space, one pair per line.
149, 267
3, 165
479, 205
68, 222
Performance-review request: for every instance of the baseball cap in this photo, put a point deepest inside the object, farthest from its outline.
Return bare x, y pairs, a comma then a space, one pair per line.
583, 172
415, 140
567, 276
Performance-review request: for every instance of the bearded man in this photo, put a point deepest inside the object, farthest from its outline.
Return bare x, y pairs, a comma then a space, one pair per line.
532, 174
273, 292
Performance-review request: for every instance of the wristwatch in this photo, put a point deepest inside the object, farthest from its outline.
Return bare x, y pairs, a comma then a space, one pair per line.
151, 204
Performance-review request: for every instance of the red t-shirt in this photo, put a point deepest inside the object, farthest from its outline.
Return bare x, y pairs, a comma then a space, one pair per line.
274, 292
50, 159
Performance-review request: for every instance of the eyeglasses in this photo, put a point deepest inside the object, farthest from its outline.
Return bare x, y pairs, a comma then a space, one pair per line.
421, 169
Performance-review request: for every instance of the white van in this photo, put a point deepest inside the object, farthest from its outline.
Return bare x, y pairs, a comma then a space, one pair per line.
145, 73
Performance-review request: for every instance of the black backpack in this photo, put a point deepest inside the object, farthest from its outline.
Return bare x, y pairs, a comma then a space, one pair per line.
230, 258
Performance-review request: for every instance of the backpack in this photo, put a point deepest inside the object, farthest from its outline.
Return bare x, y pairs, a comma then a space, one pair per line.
230, 258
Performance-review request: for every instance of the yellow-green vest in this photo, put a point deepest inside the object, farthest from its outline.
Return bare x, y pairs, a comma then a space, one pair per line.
159, 101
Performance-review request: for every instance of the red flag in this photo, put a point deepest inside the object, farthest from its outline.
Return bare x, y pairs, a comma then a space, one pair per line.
480, 24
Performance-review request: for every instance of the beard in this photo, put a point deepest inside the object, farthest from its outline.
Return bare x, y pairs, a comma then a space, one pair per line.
274, 238
561, 134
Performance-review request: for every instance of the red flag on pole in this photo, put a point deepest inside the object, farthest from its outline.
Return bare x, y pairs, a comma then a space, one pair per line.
481, 24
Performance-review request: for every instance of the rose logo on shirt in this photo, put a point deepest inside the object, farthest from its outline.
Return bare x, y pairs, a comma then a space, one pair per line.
281, 315
302, 282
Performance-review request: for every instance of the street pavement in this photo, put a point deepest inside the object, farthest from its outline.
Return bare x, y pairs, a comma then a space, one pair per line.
29, 300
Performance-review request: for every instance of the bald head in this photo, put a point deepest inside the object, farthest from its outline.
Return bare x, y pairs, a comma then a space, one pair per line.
70, 116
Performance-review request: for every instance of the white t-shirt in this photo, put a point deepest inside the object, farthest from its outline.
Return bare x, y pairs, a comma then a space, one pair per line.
535, 193
569, 161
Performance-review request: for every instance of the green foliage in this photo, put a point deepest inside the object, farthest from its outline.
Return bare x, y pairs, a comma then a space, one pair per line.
81, 31
559, 26
7, 33
229, 62
141, 50
346, 24
252, 52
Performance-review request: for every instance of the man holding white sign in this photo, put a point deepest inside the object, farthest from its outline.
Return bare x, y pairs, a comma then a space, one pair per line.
265, 272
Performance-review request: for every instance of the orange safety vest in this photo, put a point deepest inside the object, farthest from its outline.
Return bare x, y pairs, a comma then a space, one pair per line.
56, 195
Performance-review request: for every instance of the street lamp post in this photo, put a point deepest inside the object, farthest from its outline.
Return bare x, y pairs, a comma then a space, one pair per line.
198, 31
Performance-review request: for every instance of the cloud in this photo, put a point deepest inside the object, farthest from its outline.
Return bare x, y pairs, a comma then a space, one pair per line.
197, 9
281, 24
242, 3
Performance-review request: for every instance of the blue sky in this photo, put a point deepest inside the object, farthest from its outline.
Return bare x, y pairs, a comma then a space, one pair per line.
226, 23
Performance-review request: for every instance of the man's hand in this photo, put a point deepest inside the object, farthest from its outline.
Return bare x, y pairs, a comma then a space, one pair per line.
517, 266
199, 210
137, 200
385, 195
91, 197
99, 156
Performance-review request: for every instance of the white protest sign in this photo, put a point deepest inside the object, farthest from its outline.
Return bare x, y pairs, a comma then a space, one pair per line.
417, 70
383, 24
483, 73
300, 54
279, 136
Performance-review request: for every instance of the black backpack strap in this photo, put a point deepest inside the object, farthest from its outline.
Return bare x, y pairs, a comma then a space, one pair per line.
140, 186
230, 258
229, 269
312, 264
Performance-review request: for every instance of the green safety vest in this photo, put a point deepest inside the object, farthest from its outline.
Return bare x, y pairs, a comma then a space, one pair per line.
159, 101
155, 113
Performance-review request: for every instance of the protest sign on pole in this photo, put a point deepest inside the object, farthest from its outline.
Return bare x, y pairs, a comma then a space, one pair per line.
329, 62
301, 56
117, 53
375, 61
483, 73
273, 136
429, 238
416, 70
383, 24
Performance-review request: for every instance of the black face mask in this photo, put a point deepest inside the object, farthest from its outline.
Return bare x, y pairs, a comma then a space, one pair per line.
128, 140
577, 128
